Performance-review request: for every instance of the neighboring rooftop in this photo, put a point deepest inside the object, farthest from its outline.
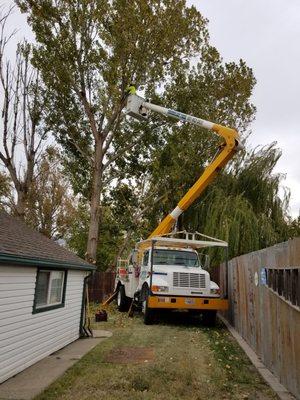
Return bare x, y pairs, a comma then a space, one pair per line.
22, 245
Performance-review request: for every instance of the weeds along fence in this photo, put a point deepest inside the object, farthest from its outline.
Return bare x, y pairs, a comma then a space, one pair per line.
101, 285
264, 307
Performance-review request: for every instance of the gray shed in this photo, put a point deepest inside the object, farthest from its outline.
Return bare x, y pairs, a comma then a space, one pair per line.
41, 296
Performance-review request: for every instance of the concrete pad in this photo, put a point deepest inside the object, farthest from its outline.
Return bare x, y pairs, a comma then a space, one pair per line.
101, 334
33, 380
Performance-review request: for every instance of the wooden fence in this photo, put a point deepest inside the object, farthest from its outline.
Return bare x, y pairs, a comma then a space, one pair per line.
101, 285
264, 298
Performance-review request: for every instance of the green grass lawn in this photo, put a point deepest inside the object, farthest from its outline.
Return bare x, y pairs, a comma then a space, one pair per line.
190, 362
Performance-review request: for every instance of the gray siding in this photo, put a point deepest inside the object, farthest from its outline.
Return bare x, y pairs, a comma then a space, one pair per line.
26, 338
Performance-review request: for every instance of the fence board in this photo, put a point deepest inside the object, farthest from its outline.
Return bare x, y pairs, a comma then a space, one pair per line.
267, 314
101, 285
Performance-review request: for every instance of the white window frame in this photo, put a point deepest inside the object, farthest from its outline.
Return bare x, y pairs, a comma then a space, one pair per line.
50, 306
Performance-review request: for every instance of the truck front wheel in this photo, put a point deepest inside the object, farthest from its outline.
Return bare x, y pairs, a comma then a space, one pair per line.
122, 299
148, 312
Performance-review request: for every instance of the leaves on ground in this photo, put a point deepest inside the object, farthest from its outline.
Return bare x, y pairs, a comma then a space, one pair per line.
190, 362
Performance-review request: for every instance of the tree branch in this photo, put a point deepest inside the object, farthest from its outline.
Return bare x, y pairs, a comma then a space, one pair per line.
119, 153
87, 108
81, 151
115, 115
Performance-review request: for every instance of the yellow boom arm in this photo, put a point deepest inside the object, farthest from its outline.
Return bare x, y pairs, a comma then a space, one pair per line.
138, 107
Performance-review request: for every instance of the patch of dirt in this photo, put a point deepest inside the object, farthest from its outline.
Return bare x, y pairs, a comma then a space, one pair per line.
130, 355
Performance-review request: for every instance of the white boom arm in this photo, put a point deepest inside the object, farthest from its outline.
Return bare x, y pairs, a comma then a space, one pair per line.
137, 107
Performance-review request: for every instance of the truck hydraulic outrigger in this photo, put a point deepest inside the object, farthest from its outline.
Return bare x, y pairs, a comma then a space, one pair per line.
137, 107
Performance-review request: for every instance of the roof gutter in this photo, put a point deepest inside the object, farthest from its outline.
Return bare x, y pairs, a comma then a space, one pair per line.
43, 262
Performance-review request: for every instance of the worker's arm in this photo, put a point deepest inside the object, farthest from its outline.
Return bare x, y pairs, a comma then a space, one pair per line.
137, 107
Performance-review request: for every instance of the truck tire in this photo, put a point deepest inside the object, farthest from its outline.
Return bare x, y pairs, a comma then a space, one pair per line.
209, 317
122, 299
148, 312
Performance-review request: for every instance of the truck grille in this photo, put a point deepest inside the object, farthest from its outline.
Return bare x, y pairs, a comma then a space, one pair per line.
188, 280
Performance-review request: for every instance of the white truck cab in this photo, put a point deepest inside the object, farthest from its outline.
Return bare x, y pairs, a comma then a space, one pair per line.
165, 272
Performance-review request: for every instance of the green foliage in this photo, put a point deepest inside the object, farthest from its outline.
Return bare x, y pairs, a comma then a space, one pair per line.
88, 52
243, 206
294, 227
110, 236
51, 204
5, 189
216, 91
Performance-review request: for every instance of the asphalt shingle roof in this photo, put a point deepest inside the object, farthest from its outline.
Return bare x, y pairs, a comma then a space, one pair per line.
20, 241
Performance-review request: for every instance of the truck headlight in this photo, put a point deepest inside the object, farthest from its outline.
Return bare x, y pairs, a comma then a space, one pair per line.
215, 291
160, 289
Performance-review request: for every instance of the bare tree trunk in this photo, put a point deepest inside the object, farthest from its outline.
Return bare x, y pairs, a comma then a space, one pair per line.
121, 250
21, 203
136, 219
21, 114
91, 253
23, 186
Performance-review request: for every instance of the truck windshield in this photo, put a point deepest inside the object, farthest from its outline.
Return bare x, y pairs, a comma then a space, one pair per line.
175, 257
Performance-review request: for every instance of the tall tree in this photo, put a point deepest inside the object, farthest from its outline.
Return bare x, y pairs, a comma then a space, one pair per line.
21, 117
88, 52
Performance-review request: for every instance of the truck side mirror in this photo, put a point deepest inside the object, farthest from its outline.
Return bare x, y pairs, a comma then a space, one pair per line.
134, 257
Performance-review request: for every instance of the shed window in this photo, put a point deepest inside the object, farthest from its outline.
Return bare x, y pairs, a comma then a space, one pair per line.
50, 290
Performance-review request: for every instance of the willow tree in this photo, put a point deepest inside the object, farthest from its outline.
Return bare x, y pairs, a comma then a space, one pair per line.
245, 205
88, 52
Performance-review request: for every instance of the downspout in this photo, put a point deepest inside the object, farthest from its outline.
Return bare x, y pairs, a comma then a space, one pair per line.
83, 330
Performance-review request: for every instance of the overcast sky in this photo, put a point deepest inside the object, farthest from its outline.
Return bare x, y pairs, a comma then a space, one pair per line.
266, 34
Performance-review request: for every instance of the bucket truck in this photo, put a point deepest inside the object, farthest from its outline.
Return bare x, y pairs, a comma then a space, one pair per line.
164, 271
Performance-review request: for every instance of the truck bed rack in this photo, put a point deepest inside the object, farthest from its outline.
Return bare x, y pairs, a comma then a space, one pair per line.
182, 240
